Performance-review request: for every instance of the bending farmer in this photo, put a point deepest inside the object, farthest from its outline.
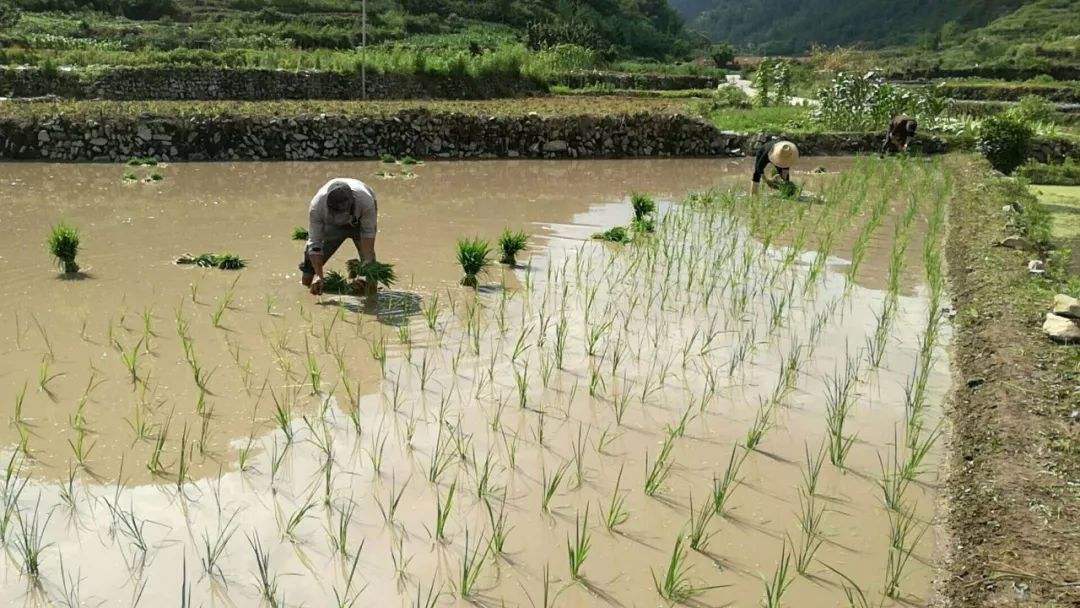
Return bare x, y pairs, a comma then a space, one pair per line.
901, 132
342, 209
782, 155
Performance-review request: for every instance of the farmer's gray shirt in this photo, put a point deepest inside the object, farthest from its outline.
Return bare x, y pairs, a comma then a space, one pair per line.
363, 216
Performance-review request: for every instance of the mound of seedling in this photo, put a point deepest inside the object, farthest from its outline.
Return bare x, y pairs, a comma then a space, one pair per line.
512, 243
336, 283
474, 255
618, 234
300, 233
63, 244
223, 261
788, 190
374, 273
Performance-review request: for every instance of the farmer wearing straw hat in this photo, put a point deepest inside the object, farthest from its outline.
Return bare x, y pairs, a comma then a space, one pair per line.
781, 154
342, 209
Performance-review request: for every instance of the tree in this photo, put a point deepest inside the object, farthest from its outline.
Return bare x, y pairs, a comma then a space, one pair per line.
9, 14
722, 54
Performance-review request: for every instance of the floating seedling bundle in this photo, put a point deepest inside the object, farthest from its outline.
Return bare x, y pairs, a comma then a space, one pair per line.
223, 261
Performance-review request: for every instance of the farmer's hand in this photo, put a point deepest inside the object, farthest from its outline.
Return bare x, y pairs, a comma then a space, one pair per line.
316, 285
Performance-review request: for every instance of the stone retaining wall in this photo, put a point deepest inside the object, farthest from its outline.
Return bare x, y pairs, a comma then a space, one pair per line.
192, 83
415, 133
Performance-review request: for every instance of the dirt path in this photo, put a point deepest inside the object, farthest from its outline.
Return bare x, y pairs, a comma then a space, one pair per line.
1014, 487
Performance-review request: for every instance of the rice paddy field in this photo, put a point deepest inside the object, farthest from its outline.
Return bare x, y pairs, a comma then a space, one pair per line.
740, 406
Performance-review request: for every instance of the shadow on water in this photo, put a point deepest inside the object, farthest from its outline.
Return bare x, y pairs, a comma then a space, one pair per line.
389, 307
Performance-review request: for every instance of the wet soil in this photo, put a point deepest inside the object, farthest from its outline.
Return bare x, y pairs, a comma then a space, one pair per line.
681, 339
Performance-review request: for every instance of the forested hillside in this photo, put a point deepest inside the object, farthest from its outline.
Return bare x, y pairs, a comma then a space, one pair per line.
645, 28
793, 26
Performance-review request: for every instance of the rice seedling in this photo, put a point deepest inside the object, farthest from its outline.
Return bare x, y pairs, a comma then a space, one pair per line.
339, 536
400, 560
550, 485
442, 511
63, 244
472, 564
510, 244
761, 425
812, 472
45, 375
266, 581
213, 549
618, 234
430, 599
726, 484
373, 272
777, 586
676, 586
657, 472
578, 549
474, 255
901, 547
810, 517
698, 526
838, 402
893, 482
30, 542
290, 525
500, 528
299, 233
155, 464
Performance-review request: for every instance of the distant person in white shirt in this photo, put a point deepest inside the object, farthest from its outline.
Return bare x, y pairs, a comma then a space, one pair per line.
342, 209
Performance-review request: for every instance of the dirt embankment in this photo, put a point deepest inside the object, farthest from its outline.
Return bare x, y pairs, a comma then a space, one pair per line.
1014, 486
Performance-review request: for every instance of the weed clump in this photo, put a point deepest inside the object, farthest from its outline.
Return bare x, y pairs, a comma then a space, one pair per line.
618, 234
299, 233
474, 255
387, 158
64, 246
142, 162
511, 243
374, 273
223, 261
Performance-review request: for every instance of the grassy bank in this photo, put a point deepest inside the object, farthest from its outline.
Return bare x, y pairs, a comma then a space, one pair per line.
1014, 502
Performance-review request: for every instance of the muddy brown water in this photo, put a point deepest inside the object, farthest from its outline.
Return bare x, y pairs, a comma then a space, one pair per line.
435, 390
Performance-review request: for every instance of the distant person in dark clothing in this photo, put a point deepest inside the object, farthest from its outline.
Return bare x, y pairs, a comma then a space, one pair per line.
781, 155
901, 132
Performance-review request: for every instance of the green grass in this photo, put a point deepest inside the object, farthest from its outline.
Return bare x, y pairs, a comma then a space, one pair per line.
188, 110
760, 119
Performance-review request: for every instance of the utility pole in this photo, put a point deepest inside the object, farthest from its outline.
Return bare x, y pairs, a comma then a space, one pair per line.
363, 47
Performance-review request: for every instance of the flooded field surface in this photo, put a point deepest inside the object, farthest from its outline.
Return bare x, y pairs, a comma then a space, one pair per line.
738, 408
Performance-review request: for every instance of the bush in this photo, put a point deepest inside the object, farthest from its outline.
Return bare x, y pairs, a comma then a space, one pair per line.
1033, 108
1004, 141
1065, 174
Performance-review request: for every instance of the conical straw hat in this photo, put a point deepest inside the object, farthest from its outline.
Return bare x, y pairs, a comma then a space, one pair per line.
784, 154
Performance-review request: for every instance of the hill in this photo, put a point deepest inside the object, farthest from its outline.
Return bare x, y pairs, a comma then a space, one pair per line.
625, 28
790, 26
